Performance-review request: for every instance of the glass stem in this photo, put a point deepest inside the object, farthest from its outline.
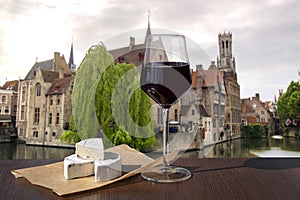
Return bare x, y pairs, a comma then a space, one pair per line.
165, 137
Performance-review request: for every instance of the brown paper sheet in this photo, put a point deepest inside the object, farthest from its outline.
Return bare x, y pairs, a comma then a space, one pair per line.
52, 176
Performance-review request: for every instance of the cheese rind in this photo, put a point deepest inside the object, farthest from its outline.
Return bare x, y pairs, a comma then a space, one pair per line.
75, 167
109, 168
90, 149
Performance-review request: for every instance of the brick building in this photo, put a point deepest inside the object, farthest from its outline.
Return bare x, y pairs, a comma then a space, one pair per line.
8, 103
254, 111
226, 64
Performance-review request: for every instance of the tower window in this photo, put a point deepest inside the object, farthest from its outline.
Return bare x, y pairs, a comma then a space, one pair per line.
223, 44
226, 44
38, 89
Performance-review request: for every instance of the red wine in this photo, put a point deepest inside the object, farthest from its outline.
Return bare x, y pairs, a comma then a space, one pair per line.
165, 82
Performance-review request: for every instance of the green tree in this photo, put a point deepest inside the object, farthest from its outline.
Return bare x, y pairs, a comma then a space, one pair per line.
70, 136
117, 93
288, 106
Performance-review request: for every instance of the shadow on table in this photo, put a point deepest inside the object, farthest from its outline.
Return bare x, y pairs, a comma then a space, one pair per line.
258, 163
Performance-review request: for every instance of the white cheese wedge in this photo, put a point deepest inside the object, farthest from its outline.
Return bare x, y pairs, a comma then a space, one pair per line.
109, 168
75, 167
90, 149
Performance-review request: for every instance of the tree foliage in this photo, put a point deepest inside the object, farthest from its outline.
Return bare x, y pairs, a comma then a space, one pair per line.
71, 135
116, 97
97, 81
255, 131
288, 105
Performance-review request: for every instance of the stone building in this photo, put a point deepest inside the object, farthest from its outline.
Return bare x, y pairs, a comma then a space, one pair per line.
208, 90
226, 64
134, 54
44, 102
8, 103
254, 111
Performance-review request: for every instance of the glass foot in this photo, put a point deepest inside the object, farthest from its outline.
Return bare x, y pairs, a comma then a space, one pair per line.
169, 174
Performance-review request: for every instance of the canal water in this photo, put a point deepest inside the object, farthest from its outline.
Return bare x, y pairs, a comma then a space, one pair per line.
271, 147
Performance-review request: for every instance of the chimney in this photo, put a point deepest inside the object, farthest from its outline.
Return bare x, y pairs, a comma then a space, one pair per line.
199, 68
132, 43
257, 96
212, 65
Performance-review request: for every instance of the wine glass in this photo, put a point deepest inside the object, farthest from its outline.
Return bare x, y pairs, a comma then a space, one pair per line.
165, 77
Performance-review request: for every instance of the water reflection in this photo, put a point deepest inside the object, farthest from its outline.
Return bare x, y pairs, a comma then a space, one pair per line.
11, 151
241, 148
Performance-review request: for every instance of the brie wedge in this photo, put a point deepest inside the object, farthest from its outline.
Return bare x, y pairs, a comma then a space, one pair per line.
75, 167
109, 168
90, 149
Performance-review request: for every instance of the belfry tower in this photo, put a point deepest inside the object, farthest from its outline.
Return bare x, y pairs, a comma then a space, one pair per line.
227, 60
226, 64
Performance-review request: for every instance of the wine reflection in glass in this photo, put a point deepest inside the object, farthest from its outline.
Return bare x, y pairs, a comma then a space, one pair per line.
165, 77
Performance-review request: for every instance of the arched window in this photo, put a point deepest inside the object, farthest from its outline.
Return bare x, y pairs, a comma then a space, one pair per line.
23, 94
226, 44
38, 89
223, 45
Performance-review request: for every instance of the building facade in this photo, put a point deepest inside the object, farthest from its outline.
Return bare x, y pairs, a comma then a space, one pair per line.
254, 111
226, 64
8, 103
36, 92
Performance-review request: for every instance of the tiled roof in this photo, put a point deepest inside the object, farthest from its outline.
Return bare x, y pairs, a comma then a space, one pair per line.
47, 65
49, 76
210, 77
203, 111
59, 86
11, 85
124, 50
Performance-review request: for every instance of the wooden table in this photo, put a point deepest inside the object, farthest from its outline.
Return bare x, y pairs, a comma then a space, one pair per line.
213, 178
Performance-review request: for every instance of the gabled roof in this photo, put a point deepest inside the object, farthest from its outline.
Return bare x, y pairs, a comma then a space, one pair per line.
59, 86
47, 65
124, 50
11, 85
199, 109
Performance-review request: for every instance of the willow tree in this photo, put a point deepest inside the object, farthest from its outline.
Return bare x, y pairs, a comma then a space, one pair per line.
123, 108
108, 103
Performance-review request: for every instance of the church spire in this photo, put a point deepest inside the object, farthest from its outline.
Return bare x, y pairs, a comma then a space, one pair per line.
148, 29
71, 64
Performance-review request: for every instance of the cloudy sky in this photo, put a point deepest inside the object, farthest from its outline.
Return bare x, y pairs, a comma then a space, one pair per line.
266, 41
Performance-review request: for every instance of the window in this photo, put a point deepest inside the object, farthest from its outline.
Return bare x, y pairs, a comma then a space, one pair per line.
4, 99
23, 94
176, 114
35, 134
193, 112
226, 44
53, 134
262, 112
36, 115
6, 110
57, 118
38, 89
21, 132
0, 109
222, 44
58, 102
50, 118
22, 112
51, 101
